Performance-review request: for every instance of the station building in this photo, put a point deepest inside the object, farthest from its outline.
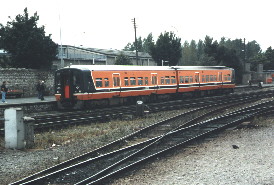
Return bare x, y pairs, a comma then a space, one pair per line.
72, 55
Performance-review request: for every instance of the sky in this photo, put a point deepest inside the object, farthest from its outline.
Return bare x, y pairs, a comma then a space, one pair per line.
107, 24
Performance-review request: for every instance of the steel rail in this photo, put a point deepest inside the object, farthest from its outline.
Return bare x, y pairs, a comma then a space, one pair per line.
177, 128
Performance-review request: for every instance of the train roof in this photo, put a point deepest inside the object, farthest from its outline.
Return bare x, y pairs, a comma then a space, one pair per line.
137, 68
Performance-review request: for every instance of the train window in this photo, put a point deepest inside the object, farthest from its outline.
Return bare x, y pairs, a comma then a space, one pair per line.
140, 80
154, 80
99, 82
190, 79
173, 80
203, 78
162, 80
186, 79
76, 79
106, 82
167, 79
228, 77
215, 78
126, 81
225, 77
116, 81
132, 81
146, 80
182, 80
207, 78
211, 78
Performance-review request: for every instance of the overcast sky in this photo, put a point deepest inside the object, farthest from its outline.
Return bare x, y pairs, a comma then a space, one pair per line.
108, 24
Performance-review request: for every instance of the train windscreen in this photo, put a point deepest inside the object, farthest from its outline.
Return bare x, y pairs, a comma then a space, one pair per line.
68, 82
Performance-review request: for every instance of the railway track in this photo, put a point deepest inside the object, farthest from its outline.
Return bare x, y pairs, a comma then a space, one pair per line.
65, 119
154, 134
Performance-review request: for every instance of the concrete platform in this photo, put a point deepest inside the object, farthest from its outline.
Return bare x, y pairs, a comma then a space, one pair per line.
14, 101
29, 104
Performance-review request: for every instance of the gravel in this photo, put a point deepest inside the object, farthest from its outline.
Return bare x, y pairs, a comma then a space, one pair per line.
216, 161
210, 162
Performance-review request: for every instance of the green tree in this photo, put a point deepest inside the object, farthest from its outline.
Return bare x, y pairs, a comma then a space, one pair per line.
193, 53
219, 54
168, 48
200, 51
186, 54
27, 43
148, 44
129, 47
269, 59
122, 59
132, 47
144, 45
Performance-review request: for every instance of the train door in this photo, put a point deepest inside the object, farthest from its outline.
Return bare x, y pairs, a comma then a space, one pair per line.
68, 82
65, 84
116, 83
220, 74
154, 82
197, 77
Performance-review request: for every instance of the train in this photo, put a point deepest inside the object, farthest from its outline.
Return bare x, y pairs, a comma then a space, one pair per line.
87, 86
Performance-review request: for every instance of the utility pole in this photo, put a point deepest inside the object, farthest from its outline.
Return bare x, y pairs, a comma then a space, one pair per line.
62, 59
136, 45
244, 55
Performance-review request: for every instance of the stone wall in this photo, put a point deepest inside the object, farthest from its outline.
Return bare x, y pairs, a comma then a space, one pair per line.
26, 79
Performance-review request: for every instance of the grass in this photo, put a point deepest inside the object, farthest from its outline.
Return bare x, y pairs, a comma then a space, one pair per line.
98, 133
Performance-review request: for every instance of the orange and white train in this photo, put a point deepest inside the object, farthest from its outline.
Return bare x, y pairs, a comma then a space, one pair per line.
81, 86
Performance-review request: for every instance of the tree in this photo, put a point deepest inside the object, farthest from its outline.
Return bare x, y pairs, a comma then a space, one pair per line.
27, 43
129, 47
132, 47
144, 45
269, 59
186, 54
122, 59
148, 44
168, 48
218, 54
200, 51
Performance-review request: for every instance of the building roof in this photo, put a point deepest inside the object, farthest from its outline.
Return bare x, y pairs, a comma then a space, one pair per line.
118, 52
110, 52
136, 68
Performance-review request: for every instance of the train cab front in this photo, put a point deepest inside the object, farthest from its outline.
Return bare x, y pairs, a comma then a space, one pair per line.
69, 86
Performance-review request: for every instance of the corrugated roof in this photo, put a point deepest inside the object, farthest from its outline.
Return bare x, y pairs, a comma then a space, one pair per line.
118, 52
112, 52
136, 68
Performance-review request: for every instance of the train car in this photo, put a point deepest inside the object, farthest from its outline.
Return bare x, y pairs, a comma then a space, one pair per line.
80, 86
